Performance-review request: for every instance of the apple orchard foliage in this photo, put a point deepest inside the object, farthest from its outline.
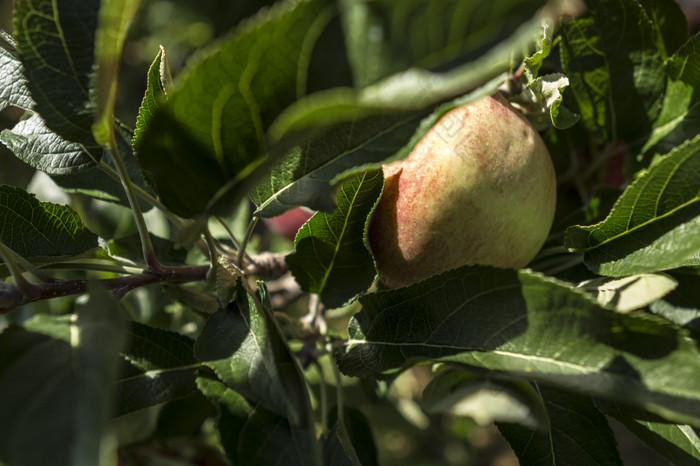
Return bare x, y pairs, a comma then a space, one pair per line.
166, 322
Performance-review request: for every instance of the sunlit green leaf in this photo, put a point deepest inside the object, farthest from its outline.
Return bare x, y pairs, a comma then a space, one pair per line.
114, 19
38, 146
330, 258
13, 84
655, 223
155, 94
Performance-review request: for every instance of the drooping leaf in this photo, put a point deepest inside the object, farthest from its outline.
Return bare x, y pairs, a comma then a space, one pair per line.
485, 399
58, 372
529, 326
13, 84
35, 229
212, 130
350, 442
114, 19
157, 366
55, 42
330, 258
246, 350
679, 443
616, 69
253, 435
578, 434
655, 223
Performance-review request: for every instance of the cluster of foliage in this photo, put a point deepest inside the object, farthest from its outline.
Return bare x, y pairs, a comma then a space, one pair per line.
193, 322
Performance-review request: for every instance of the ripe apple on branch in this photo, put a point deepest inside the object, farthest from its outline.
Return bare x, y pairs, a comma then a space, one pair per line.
479, 188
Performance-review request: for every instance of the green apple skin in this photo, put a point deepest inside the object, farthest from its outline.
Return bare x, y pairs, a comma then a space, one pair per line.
478, 188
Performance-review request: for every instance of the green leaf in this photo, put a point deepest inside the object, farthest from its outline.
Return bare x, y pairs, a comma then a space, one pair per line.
157, 366
679, 117
310, 174
245, 348
41, 148
384, 37
655, 224
669, 23
629, 293
55, 42
616, 69
679, 443
97, 183
35, 229
211, 132
157, 80
578, 434
58, 372
253, 435
13, 84
527, 325
330, 257
349, 442
114, 19
485, 399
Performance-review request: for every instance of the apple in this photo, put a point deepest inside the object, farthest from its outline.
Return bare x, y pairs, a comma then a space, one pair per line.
288, 223
478, 188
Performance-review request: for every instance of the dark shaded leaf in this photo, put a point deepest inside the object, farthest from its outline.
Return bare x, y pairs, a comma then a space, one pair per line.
616, 69
245, 348
35, 229
253, 435
578, 434
55, 42
157, 366
679, 443
349, 442
530, 326
58, 372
